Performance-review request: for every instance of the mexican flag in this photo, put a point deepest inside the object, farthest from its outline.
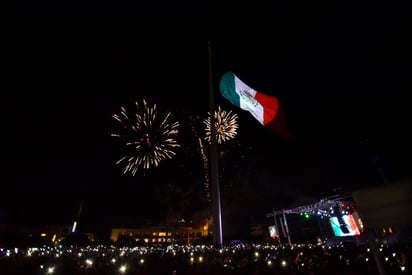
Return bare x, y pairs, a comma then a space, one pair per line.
266, 109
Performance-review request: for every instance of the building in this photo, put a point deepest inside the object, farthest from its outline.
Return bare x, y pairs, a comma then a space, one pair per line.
180, 233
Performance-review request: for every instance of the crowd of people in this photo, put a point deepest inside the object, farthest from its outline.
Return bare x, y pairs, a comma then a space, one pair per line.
252, 259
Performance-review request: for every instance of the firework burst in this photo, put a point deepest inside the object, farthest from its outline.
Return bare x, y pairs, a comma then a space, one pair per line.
148, 138
225, 125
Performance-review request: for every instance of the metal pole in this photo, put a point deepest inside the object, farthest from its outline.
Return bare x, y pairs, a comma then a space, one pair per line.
286, 227
214, 171
375, 251
276, 226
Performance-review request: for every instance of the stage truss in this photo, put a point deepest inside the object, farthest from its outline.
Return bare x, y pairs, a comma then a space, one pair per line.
336, 205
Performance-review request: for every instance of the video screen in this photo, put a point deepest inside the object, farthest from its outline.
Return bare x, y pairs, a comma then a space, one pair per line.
273, 233
349, 228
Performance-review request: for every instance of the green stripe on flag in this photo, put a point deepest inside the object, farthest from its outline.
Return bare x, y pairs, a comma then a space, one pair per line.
228, 88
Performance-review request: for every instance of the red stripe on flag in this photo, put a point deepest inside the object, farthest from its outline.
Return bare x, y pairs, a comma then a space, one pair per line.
278, 124
270, 106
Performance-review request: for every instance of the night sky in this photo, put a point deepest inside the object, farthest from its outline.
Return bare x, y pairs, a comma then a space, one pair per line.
341, 72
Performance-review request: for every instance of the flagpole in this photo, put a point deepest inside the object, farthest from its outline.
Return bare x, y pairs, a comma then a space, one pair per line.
217, 213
